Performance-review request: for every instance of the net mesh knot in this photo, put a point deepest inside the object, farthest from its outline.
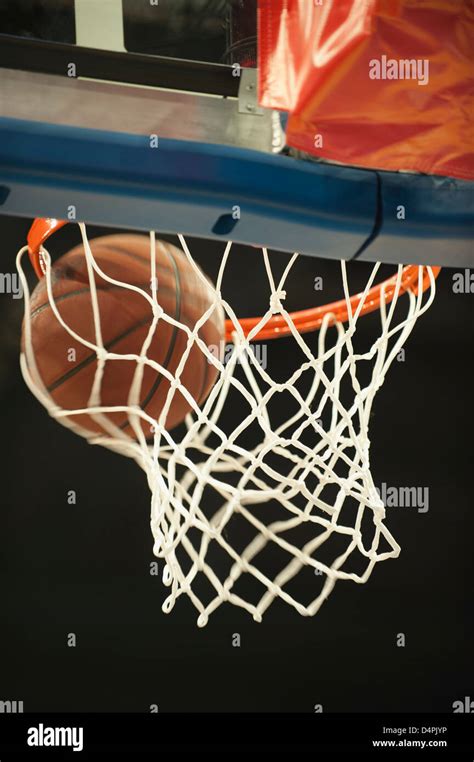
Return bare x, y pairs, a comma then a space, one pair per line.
276, 299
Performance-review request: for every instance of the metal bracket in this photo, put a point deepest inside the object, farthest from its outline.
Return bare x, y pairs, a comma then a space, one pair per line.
248, 100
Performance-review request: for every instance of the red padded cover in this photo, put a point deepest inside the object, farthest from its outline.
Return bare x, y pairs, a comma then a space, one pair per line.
320, 59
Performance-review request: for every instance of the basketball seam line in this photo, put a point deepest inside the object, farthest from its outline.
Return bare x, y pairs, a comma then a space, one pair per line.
106, 286
148, 397
92, 357
78, 292
87, 361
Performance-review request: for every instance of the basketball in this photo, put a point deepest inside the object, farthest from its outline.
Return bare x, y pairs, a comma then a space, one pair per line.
67, 367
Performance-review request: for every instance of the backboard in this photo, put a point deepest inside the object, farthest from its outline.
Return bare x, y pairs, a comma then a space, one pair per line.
87, 87
197, 47
212, 31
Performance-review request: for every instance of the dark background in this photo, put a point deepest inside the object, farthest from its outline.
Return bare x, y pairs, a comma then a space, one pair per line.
85, 568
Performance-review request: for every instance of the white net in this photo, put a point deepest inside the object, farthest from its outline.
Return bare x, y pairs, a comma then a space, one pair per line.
279, 503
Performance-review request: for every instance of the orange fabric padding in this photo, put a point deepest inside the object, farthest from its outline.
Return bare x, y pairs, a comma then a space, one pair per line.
386, 84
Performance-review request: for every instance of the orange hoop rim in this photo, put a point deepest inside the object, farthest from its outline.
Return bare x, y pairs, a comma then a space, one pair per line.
277, 326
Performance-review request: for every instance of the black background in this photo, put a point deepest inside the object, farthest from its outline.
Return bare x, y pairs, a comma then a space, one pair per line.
85, 568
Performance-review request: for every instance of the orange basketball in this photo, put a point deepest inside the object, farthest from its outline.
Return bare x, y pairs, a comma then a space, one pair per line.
125, 319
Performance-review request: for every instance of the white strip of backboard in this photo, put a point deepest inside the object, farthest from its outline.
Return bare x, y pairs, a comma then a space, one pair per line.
99, 24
